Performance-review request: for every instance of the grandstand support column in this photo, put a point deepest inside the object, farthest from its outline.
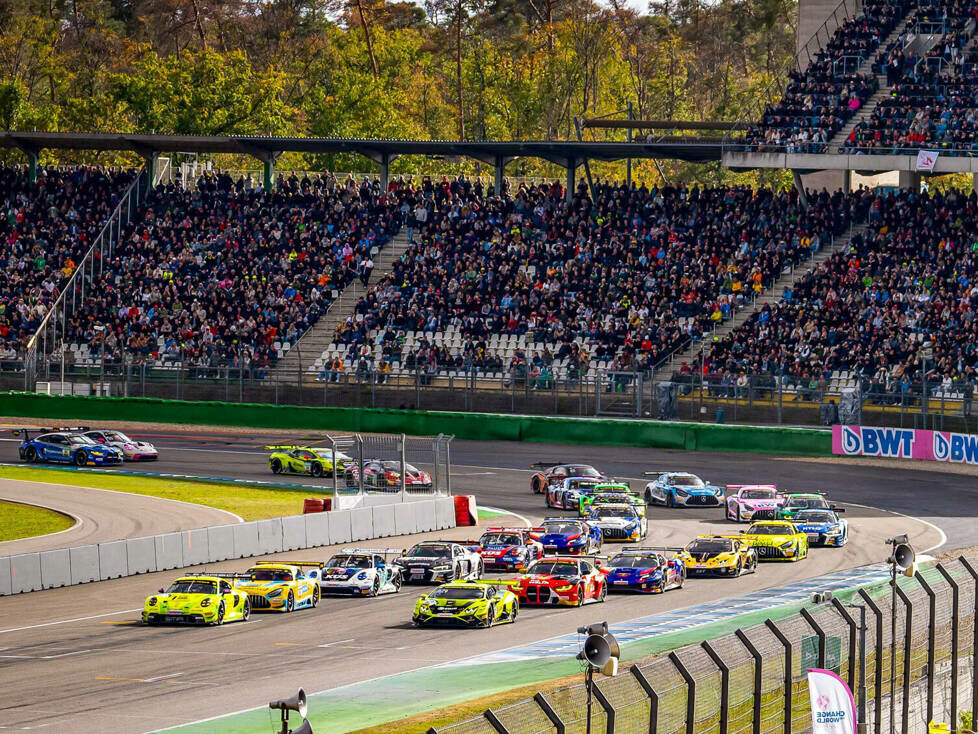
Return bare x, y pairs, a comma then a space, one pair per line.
151, 157
800, 188
974, 182
385, 170
268, 173
910, 180
571, 168
32, 166
498, 174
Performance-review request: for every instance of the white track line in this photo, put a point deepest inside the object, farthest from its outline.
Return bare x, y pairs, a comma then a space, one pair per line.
508, 512
940, 532
67, 621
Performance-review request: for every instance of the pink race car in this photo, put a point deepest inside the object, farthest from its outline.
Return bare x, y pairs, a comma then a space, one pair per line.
746, 502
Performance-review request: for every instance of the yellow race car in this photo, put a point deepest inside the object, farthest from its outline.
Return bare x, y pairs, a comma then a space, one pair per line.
467, 604
776, 539
315, 462
281, 586
202, 599
718, 555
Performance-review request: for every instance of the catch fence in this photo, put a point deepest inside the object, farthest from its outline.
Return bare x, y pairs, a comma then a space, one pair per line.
754, 680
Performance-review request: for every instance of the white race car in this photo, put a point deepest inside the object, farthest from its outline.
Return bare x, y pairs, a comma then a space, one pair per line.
132, 450
361, 572
618, 522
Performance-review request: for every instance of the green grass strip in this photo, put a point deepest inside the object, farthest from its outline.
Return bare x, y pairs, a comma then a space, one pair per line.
27, 521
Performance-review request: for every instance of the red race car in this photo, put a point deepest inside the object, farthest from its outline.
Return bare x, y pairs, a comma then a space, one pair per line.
568, 581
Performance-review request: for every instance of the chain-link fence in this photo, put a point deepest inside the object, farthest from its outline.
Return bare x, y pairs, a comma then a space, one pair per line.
754, 680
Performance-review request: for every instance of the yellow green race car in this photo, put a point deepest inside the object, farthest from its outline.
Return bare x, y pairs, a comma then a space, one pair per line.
467, 604
718, 555
776, 539
316, 462
612, 493
197, 600
281, 586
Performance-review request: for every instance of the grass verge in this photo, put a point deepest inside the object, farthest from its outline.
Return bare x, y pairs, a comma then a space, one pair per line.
26, 521
250, 502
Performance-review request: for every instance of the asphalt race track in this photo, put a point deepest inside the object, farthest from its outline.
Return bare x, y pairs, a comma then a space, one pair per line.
77, 658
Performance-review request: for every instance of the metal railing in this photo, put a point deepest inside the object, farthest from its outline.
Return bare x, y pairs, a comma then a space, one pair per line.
754, 680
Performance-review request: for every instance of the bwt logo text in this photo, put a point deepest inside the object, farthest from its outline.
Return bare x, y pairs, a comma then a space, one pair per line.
956, 447
890, 442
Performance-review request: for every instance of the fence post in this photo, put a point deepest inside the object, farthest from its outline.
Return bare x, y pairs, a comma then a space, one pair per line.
787, 673
974, 649
931, 642
551, 714
758, 681
878, 674
955, 620
818, 631
609, 710
495, 722
841, 609
724, 684
690, 692
907, 644
653, 698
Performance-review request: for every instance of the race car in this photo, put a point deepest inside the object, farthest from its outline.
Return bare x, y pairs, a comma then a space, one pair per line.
822, 527
197, 599
557, 472
776, 539
615, 492
65, 446
718, 555
468, 604
618, 522
280, 586
567, 581
361, 572
681, 489
506, 549
316, 462
752, 502
566, 495
438, 561
561, 535
132, 450
645, 569
385, 475
797, 501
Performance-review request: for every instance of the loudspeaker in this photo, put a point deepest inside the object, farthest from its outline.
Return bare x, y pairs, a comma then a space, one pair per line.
296, 703
597, 650
610, 668
903, 557
304, 728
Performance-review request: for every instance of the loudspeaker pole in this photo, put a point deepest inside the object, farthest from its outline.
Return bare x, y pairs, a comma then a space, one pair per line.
588, 683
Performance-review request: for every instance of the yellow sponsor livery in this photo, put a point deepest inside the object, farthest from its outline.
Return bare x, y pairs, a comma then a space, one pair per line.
776, 539
718, 555
197, 599
281, 586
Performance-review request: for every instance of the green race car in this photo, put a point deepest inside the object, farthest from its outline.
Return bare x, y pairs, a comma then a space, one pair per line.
199, 599
466, 604
316, 462
612, 493
798, 501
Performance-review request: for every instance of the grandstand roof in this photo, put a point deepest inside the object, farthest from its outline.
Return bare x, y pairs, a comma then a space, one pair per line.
559, 152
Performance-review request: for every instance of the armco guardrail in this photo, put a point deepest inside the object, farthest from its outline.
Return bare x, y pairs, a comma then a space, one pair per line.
118, 558
754, 680
653, 434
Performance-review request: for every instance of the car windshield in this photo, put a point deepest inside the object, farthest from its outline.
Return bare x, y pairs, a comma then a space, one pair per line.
583, 471
428, 551
630, 561
613, 512
328, 454
553, 568
188, 586
500, 539
609, 498
686, 480
815, 516
349, 562
116, 436
579, 483
458, 592
759, 494
770, 530
79, 440
270, 574
698, 547
804, 503
396, 466
561, 528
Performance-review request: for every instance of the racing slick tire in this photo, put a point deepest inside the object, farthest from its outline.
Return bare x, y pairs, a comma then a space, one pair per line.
537, 484
603, 594
490, 616
457, 572
290, 602
737, 513
740, 570
396, 580
30, 455
670, 500
648, 497
480, 569
547, 499
682, 579
316, 596
221, 611
81, 458
580, 595
316, 469
246, 612
276, 466
375, 587
515, 612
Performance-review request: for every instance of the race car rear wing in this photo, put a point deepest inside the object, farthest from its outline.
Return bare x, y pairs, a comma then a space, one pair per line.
378, 551
314, 564
519, 531
25, 431
648, 548
226, 574
546, 464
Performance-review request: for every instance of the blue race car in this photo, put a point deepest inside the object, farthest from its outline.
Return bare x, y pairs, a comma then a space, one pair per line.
564, 536
680, 489
65, 446
823, 527
566, 495
646, 570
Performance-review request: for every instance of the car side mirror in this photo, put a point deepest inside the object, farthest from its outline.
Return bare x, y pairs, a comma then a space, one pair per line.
161, 591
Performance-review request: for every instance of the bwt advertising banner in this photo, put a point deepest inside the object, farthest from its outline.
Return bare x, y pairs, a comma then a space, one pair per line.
833, 708
905, 443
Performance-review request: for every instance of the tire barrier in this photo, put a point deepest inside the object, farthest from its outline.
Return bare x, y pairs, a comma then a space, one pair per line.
168, 551
466, 512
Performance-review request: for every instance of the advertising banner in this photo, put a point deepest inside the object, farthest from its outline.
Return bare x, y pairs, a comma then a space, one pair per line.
905, 443
833, 707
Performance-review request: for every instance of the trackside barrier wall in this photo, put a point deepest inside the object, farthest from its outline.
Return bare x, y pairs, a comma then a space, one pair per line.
118, 558
476, 426
754, 681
